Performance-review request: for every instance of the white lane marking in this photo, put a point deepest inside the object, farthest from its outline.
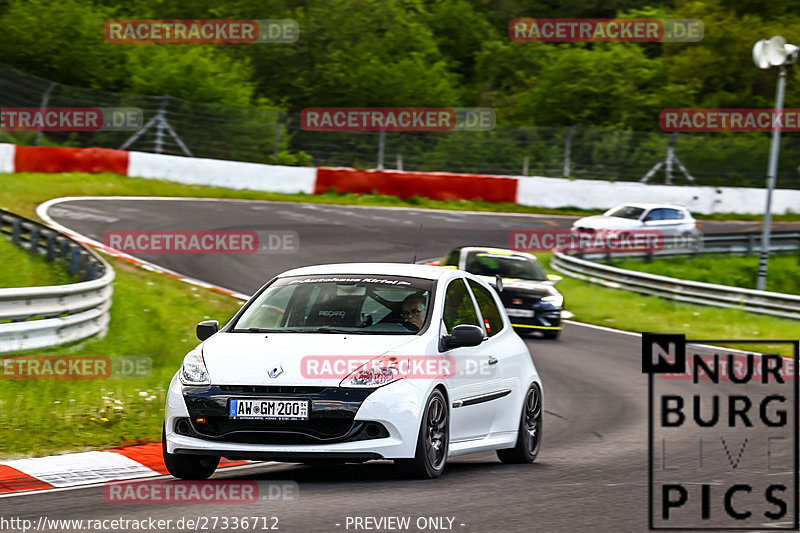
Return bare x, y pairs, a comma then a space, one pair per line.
634, 334
603, 328
81, 468
76, 213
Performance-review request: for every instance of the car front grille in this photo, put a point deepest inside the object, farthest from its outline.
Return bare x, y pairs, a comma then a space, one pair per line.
281, 432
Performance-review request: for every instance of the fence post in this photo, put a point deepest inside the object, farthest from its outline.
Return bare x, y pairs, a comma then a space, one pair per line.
160, 124
399, 161
277, 144
381, 148
42, 107
525, 162
567, 150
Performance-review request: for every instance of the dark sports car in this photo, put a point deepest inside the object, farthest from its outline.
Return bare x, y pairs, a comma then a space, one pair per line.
531, 301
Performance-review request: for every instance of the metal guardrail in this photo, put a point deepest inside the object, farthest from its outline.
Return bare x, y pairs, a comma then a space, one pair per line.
39, 317
763, 302
723, 243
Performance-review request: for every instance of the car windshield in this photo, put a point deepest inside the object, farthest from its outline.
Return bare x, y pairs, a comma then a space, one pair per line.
506, 265
383, 305
626, 211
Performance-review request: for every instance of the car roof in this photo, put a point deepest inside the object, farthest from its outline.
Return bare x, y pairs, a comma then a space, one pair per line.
499, 251
650, 205
385, 269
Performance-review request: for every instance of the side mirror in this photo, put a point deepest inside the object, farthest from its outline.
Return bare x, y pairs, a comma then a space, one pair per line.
207, 328
554, 278
463, 335
498, 283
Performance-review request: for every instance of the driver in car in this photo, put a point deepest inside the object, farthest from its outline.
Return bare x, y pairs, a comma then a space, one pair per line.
413, 310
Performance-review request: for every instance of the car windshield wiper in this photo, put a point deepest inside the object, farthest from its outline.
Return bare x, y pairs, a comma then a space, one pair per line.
258, 330
325, 329
322, 329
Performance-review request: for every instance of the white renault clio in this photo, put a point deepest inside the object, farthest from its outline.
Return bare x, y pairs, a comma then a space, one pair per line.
354, 362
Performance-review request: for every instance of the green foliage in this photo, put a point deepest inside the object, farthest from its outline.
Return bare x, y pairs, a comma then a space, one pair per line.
413, 53
300, 159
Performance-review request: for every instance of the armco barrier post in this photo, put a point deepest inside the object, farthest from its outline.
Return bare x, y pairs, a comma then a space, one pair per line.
35, 233
51, 246
16, 226
74, 260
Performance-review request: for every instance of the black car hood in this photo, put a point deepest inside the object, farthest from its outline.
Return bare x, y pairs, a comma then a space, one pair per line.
534, 289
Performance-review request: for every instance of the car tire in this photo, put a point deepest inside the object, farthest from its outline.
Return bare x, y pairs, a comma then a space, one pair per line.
433, 441
551, 334
188, 466
529, 435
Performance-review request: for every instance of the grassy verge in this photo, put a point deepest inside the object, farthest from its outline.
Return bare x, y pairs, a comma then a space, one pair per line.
20, 269
737, 271
152, 316
21, 192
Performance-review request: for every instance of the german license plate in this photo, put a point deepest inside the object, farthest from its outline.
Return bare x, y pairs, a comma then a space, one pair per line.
267, 409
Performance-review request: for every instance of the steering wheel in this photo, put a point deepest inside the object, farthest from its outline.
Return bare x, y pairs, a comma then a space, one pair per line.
399, 320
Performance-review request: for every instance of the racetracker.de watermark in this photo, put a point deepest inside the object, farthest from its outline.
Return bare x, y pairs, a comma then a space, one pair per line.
398, 119
75, 366
605, 30
201, 31
409, 367
569, 240
689, 120
228, 492
71, 119
201, 242
391, 367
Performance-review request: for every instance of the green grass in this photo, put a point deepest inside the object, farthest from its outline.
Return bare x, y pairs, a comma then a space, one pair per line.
22, 192
152, 316
28, 269
783, 274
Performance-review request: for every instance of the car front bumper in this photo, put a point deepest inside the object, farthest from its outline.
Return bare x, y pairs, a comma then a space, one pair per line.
336, 429
535, 319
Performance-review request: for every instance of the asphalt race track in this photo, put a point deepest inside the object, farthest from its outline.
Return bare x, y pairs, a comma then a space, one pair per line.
591, 474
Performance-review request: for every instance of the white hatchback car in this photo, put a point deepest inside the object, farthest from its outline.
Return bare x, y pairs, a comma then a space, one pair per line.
354, 362
675, 222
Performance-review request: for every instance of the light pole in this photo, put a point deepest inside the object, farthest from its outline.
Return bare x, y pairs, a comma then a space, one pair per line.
777, 53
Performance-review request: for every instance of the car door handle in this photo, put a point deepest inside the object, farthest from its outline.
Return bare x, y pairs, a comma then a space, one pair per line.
492, 360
